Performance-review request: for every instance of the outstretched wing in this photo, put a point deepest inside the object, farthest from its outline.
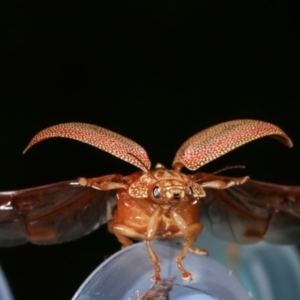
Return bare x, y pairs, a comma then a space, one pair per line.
252, 212
53, 213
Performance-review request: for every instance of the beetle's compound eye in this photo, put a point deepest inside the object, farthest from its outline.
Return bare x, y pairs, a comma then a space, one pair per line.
156, 192
190, 192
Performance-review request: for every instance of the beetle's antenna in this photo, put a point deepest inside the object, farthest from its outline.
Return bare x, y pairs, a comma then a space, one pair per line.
193, 288
146, 169
170, 265
156, 167
229, 168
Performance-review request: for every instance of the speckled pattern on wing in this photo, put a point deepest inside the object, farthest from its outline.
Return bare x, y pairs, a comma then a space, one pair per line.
220, 139
98, 137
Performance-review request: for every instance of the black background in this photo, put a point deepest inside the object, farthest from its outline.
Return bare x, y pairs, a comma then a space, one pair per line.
154, 71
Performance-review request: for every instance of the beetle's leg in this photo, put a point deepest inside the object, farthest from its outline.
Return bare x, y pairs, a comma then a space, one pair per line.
124, 233
151, 230
103, 183
220, 184
190, 233
137, 293
193, 249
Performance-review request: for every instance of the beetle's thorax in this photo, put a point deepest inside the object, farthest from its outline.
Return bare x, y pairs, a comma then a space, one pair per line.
166, 187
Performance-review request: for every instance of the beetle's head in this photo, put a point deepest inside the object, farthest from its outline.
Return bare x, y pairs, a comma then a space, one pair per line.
165, 186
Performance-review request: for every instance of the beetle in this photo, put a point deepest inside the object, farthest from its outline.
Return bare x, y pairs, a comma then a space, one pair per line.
158, 202
161, 290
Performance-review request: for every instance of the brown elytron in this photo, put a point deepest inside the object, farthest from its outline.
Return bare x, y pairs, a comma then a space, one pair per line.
157, 203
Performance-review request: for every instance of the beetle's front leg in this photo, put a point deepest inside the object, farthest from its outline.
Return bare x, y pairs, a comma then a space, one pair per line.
190, 234
193, 249
220, 184
150, 234
124, 233
103, 183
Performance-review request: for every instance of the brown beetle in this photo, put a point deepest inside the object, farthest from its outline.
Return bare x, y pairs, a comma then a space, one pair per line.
159, 291
159, 202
